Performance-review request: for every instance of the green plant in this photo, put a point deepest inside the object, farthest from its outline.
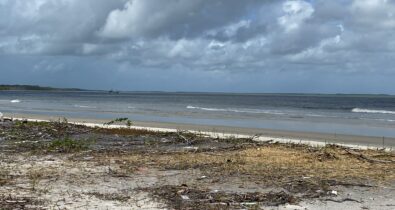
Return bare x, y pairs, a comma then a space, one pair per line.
68, 145
129, 123
120, 120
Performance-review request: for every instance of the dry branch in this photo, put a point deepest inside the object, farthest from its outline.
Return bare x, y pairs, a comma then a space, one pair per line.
369, 159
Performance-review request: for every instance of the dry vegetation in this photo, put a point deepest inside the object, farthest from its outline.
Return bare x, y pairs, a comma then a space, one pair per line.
271, 162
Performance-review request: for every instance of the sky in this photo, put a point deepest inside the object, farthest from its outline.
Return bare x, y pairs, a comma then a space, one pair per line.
311, 46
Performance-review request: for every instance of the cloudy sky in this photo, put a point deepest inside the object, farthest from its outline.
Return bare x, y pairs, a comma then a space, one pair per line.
321, 46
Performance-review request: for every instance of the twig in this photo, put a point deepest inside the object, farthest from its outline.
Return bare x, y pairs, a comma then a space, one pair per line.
343, 200
347, 184
184, 138
362, 156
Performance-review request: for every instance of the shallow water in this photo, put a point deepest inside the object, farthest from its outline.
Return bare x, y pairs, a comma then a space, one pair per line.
370, 115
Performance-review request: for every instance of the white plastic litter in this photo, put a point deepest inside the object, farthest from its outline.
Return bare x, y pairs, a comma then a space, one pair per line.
1, 117
184, 197
293, 207
334, 192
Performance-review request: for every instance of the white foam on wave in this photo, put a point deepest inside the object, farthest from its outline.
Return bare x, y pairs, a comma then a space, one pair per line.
375, 119
386, 120
85, 107
206, 109
15, 101
316, 115
372, 111
252, 111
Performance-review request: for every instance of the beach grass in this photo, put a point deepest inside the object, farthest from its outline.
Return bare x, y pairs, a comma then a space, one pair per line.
274, 163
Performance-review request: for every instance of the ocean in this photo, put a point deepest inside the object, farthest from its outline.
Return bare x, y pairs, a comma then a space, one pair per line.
368, 115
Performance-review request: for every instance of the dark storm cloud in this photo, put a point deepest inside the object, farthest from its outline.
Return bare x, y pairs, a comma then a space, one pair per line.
214, 38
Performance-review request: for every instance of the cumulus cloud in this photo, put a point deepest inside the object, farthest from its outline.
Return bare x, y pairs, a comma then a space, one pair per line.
296, 12
51, 26
204, 36
173, 18
148, 18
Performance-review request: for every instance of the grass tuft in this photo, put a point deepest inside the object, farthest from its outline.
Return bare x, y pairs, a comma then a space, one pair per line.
68, 145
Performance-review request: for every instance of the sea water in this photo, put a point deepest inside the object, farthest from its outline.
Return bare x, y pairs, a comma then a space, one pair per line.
370, 115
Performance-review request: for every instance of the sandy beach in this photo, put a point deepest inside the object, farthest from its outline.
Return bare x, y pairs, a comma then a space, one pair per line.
194, 105
262, 134
57, 163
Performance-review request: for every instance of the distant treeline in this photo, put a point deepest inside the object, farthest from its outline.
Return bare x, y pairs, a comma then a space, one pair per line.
35, 87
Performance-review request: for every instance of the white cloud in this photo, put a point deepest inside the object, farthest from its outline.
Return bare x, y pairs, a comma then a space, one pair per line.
296, 12
317, 54
231, 30
143, 17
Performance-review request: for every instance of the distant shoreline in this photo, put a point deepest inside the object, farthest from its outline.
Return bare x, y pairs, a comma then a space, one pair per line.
34, 88
4, 87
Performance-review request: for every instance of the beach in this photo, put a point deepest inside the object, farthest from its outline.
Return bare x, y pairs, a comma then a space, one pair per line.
283, 136
155, 151
58, 163
194, 105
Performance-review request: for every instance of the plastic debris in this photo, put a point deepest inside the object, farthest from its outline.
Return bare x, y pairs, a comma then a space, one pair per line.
185, 197
293, 207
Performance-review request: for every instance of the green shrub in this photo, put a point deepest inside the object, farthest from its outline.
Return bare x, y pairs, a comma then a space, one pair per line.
128, 122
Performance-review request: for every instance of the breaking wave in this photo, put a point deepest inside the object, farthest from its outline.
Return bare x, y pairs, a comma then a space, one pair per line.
85, 107
372, 111
15, 101
253, 111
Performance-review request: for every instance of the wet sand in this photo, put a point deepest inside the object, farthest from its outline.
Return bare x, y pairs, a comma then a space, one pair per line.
265, 134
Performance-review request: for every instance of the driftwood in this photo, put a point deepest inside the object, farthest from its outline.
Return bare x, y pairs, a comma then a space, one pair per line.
369, 159
343, 200
347, 184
